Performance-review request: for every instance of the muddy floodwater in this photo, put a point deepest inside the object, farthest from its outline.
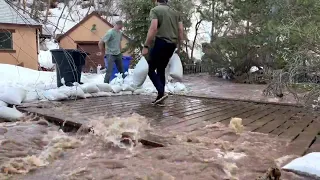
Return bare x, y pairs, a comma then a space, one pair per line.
37, 150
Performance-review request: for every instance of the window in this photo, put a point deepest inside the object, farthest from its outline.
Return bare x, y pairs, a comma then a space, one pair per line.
5, 40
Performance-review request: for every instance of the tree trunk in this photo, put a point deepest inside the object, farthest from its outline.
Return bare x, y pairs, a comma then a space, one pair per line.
47, 12
195, 37
33, 7
24, 6
57, 26
212, 22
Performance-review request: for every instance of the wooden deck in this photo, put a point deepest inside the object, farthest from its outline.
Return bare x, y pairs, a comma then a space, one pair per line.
300, 126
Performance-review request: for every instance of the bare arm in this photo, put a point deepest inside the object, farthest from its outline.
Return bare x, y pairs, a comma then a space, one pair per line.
152, 32
103, 41
101, 45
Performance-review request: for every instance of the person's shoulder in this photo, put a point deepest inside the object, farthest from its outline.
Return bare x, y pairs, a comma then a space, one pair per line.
110, 31
159, 8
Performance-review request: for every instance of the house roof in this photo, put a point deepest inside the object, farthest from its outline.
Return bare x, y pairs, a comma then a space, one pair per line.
11, 16
94, 13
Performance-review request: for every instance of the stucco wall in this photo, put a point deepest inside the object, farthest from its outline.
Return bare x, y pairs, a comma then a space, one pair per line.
83, 33
25, 45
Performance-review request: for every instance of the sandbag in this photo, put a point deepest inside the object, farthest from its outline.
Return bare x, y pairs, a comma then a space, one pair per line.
10, 114
101, 94
13, 95
308, 164
54, 95
89, 88
127, 87
72, 92
140, 72
139, 91
3, 104
175, 67
87, 95
118, 80
32, 96
104, 87
116, 88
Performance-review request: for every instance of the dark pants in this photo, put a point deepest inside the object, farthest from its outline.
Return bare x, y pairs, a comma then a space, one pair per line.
111, 60
158, 60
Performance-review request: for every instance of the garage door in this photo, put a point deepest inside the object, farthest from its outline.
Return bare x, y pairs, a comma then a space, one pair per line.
92, 61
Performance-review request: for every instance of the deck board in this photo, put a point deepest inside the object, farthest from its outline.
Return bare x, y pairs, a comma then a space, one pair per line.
301, 127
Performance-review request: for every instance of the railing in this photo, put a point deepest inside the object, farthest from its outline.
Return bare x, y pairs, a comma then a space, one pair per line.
195, 69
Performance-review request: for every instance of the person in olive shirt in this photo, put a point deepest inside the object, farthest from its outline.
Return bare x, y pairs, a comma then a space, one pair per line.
110, 44
166, 34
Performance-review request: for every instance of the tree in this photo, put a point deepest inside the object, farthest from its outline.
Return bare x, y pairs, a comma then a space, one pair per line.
137, 22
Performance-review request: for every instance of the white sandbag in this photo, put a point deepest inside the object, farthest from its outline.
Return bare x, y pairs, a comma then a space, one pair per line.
54, 95
170, 87
89, 88
179, 87
3, 104
308, 164
72, 92
116, 88
104, 87
32, 96
126, 92
87, 95
13, 95
127, 87
10, 114
118, 80
101, 94
167, 74
140, 72
175, 67
138, 91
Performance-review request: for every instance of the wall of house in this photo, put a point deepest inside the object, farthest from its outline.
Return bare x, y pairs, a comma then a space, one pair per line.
83, 33
24, 46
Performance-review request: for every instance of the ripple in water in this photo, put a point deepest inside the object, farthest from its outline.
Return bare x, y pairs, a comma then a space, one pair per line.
33, 151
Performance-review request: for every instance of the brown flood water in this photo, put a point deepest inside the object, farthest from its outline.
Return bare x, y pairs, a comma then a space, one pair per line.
36, 150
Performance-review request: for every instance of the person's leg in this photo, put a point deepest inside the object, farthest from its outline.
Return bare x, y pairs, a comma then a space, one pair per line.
110, 61
161, 68
152, 67
119, 64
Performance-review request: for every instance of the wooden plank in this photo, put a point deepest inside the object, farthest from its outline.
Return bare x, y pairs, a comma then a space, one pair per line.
257, 110
180, 117
309, 134
297, 127
277, 122
264, 120
315, 147
197, 115
220, 118
207, 117
255, 117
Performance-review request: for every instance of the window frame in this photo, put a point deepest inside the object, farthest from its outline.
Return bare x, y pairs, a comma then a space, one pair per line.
11, 31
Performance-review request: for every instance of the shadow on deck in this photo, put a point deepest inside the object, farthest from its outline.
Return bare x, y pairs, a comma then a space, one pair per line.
186, 114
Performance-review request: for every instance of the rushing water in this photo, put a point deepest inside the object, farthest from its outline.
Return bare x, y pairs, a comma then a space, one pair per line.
36, 150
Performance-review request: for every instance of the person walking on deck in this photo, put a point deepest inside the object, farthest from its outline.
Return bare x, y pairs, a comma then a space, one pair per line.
110, 45
166, 34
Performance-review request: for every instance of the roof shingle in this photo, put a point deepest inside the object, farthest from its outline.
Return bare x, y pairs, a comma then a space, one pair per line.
10, 15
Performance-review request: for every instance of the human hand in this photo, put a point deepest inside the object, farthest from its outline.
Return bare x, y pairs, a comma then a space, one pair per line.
145, 51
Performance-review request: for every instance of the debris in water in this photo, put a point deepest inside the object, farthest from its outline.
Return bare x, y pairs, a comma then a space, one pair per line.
272, 173
236, 125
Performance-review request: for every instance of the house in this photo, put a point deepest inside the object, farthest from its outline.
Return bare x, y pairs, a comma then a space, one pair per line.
19, 37
85, 36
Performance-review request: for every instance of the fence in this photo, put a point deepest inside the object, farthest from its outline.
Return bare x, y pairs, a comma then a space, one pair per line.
195, 68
